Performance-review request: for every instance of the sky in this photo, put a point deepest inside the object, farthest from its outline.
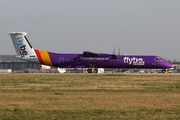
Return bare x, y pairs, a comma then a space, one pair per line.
138, 27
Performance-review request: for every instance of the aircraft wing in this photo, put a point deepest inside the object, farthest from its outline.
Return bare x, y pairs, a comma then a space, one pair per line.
90, 54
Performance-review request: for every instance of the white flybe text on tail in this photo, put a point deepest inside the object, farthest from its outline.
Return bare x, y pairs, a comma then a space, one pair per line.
22, 46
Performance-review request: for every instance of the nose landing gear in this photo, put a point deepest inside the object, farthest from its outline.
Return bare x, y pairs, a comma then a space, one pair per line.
164, 71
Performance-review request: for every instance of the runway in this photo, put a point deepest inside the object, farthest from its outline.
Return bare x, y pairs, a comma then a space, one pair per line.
100, 74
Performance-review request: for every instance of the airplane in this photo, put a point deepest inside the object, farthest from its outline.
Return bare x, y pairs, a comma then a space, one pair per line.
87, 59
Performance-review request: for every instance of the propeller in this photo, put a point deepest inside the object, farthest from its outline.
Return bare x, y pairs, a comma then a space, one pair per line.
114, 56
114, 51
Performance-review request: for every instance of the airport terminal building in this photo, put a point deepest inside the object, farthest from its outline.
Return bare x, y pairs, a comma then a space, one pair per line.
19, 65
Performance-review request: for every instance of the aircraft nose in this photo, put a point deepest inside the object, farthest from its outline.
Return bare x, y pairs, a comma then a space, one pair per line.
168, 65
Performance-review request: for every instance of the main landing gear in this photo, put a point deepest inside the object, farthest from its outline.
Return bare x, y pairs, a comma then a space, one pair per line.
95, 70
90, 70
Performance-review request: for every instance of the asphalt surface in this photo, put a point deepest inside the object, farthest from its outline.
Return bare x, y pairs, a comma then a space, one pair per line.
103, 74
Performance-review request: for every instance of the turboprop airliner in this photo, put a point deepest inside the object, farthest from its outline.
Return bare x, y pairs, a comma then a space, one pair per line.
87, 59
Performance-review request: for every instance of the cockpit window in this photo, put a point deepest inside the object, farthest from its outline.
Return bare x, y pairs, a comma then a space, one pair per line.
159, 59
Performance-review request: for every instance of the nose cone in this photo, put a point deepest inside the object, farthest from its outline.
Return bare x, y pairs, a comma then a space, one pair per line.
168, 65
164, 64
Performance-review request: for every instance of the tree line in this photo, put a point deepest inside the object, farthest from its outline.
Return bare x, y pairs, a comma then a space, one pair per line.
173, 61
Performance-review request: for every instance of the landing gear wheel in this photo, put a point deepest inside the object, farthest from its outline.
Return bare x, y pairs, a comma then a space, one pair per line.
89, 70
96, 70
164, 71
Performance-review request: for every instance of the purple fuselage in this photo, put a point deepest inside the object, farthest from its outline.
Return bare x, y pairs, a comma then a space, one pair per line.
107, 61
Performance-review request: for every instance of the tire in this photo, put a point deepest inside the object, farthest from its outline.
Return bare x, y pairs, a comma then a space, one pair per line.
89, 70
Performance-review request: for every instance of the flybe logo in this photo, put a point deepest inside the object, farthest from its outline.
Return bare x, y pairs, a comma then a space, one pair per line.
134, 61
21, 46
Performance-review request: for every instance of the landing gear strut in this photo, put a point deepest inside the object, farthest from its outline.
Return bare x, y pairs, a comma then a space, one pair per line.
164, 71
90, 68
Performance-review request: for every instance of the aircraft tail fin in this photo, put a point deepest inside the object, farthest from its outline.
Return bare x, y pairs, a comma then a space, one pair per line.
22, 46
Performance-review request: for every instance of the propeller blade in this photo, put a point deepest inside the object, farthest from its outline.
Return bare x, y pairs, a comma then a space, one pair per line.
119, 52
114, 51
